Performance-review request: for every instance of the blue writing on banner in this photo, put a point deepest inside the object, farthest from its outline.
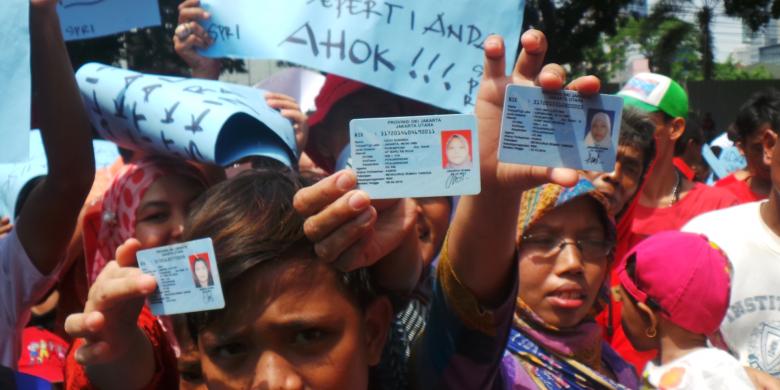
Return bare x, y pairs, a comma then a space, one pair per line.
203, 120
425, 49
84, 19
15, 89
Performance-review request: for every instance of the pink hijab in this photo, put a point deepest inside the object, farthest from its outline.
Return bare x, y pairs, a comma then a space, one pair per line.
113, 221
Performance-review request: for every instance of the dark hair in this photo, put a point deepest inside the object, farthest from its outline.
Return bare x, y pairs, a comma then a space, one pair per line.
195, 278
636, 131
762, 107
251, 221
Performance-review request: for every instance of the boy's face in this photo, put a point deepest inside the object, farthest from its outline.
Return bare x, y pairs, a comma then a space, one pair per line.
635, 324
753, 150
288, 325
620, 185
772, 157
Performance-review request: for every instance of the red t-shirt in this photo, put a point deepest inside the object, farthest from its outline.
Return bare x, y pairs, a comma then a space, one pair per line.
166, 375
699, 200
43, 354
739, 188
636, 224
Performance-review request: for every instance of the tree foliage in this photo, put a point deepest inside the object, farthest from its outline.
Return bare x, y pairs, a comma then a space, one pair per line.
755, 13
731, 70
576, 30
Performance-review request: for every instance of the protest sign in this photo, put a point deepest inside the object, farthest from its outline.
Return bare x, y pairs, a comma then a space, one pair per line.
15, 86
83, 19
14, 177
195, 119
427, 50
732, 159
715, 164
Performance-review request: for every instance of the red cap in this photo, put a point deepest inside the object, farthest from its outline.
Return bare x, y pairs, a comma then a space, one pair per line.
43, 354
688, 276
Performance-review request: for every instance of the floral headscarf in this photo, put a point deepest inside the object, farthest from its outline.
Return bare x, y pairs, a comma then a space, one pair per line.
553, 356
116, 215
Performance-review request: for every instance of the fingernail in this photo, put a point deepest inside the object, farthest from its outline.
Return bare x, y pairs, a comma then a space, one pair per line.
320, 251
359, 201
345, 182
206, 15
491, 43
364, 218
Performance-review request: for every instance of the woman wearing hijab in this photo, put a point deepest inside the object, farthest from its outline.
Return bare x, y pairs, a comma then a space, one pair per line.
149, 201
565, 244
600, 134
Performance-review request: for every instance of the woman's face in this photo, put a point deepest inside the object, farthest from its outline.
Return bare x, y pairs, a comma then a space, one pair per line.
457, 151
288, 325
562, 288
599, 127
160, 215
202, 273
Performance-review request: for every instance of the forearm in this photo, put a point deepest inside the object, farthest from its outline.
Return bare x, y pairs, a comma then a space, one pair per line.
48, 219
481, 243
133, 370
65, 128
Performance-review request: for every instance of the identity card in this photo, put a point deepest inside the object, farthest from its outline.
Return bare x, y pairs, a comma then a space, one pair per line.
187, 277
560, 129
416, 156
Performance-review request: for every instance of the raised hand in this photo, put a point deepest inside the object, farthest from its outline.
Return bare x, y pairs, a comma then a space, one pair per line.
109, 321
347, 228
530, 71
190, 36
481, 244
290, 109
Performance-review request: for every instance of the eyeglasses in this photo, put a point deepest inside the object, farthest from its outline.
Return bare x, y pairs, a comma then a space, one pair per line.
548, 246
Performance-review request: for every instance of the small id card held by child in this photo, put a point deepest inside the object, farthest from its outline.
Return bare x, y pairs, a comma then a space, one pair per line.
416, 156
187, 277
560, 129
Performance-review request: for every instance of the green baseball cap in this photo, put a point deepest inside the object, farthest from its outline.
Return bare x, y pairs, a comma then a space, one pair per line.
653, 92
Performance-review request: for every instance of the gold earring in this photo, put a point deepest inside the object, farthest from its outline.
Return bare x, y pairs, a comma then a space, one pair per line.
651, 332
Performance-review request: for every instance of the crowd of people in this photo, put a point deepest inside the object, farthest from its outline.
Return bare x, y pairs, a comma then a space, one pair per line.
549, 278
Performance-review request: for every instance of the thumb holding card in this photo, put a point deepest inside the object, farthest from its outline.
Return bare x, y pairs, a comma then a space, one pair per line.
108, 324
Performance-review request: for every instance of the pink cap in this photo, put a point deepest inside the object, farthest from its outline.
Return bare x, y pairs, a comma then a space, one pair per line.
685, 274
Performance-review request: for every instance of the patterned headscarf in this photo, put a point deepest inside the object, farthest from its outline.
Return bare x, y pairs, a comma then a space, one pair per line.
116, 216
579, 348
